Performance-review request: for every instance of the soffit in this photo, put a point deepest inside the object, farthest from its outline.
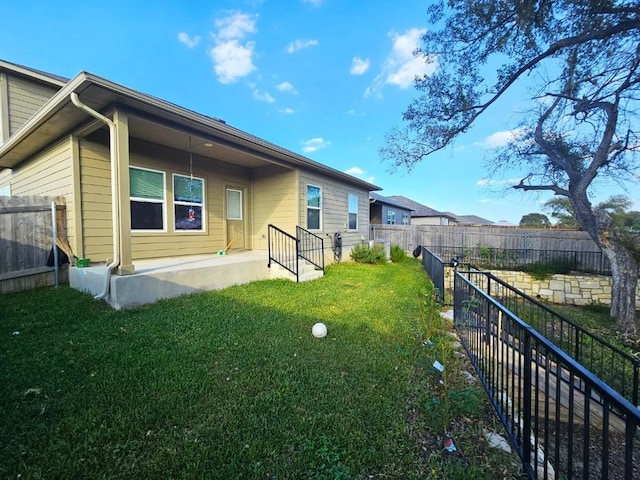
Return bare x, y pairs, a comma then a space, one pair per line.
160, 122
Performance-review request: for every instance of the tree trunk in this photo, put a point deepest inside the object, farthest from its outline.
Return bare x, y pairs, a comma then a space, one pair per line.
624, 275
624, 267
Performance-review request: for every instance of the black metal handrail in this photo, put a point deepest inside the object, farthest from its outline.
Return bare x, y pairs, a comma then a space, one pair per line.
563, 421
283, 249
287, 250
311, 247
617, 368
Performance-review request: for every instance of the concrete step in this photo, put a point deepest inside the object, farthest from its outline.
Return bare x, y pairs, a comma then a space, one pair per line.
306, 272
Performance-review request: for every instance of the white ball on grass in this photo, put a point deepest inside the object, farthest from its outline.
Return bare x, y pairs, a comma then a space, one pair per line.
319, 330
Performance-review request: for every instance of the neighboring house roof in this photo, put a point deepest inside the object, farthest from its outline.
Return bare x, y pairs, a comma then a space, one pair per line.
504, 223
418, 209
387, 201
59, 116
33, 73
471, 220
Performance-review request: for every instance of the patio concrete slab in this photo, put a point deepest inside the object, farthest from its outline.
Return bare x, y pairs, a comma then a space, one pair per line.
171, 277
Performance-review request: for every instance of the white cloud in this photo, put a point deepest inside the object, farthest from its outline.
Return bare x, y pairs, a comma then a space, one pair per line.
287, 111
359, 65
263, 97
502, 138
187, 40
401, 67
314, 144
235, 26
358, 172
286, 87
297, 45
488, 182
233, 60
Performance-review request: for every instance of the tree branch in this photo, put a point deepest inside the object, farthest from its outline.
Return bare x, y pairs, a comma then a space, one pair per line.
552, 50
553, 188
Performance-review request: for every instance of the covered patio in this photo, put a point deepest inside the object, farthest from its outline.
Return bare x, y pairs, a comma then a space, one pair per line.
170, 277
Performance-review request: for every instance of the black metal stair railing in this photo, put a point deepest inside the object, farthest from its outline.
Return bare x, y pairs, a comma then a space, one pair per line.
311, 247
287, 250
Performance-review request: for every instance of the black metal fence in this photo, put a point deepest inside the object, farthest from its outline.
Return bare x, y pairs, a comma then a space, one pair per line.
440, 271
434, 267
615, 367
560, 261
563, 421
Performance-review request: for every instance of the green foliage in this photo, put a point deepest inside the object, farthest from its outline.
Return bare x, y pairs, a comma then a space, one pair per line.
596, 306
535, 220
543, 270
366, 254
179, 389
499, 258
398, 254
561, 209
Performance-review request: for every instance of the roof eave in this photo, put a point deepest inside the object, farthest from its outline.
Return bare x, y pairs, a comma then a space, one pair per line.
84, 79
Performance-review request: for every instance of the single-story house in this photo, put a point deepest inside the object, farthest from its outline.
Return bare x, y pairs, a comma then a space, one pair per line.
164, 200
386, 211
423, 215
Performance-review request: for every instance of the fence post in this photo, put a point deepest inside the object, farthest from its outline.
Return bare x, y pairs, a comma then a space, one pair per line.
54, 230
487, 337
526, 433
634, 395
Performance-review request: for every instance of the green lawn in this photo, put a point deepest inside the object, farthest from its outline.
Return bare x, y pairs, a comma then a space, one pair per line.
231, 384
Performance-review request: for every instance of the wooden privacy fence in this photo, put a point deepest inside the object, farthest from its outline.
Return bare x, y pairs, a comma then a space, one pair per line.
26, 240
506, 238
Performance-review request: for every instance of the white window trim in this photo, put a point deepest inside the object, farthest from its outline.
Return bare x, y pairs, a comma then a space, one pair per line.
203, 205
391, 214
229, 189
405, 219
349, 212
164, 200
306, 212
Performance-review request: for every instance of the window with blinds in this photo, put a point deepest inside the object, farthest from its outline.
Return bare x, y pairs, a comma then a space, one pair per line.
147, 199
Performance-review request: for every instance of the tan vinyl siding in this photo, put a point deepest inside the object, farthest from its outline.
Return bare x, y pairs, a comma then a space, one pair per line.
96, 201
95, 185
25, 98
49, 173
335, 213
275, 193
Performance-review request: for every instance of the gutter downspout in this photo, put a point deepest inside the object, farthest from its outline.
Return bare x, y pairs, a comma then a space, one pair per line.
115, 187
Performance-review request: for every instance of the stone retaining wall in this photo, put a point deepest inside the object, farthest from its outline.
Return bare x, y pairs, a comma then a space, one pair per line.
564, 289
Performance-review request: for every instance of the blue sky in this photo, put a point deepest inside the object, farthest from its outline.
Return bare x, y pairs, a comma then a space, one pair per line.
323, 78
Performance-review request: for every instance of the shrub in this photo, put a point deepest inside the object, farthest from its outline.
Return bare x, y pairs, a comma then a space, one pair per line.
544, 270
397, 254
366, 254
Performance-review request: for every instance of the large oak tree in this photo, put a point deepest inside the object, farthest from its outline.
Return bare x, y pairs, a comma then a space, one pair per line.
583, 56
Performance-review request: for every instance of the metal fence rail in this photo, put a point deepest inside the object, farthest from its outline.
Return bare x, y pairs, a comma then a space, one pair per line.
618, 369
564, 422
438, 270
434, 267
520, 259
